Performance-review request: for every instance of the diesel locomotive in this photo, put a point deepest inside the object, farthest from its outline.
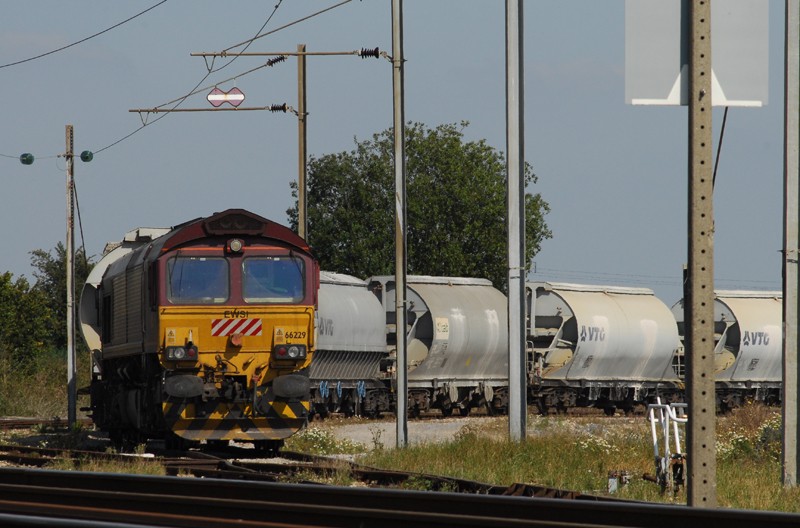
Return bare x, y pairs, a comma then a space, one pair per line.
202, 332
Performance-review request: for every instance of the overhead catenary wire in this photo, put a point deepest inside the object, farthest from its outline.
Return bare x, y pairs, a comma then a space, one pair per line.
180, 100
62, 48
247, 43
196, 88
719, 146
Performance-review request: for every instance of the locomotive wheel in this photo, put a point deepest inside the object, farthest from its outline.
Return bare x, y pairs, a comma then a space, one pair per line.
464, 411
610, 410
115, 437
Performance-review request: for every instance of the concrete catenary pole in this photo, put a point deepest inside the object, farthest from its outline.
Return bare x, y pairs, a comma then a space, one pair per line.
72, 392
515, 164
791, 246
699, 307
400, 222
302, 141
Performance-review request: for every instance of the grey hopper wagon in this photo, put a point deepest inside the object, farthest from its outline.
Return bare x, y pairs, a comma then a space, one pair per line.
604, 346
748, 347
346, 373
457, 339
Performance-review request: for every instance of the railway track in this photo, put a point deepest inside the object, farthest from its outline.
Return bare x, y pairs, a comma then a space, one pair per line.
238, 464
234, 489
209, 502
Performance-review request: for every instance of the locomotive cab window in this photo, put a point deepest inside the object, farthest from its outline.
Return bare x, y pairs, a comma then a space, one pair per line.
273, 279
198, 280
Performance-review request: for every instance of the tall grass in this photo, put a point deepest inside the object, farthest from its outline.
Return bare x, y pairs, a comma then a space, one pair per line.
37, 387
578, 454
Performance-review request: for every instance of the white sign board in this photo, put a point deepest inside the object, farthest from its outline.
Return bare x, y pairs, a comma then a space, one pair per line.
657, 52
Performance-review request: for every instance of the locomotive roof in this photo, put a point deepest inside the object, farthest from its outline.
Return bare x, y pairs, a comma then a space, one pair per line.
148, 243
232, 222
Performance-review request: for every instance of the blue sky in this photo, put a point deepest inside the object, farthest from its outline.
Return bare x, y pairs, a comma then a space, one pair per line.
614, 175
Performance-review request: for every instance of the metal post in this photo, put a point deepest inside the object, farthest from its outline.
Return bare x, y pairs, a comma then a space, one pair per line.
515, 163
699, 306
400, 221
302, 222
791, 245
72, 393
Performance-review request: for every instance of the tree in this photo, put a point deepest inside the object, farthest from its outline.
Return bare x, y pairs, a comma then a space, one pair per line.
25, 319
456, 205
50, 271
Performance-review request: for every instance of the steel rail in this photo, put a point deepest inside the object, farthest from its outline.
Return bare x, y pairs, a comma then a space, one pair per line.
335, 506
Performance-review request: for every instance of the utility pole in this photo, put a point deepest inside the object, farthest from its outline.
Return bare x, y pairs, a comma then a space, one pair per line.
515, 163
302, 139
791, 246
72, 392
400, 222
702, 484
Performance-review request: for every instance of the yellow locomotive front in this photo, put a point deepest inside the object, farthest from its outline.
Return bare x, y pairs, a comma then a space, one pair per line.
236, 332
208, 333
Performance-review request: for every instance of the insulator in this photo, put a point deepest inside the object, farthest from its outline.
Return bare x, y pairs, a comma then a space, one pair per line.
278, 108
276, 60
365, 52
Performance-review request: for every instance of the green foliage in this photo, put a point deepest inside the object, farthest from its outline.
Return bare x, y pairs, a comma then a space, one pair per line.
37, 387
26, 321
578, 454
456, 206
51, 281
321, 442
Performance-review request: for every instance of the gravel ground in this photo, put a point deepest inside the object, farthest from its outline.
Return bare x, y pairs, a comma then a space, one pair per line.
384, 433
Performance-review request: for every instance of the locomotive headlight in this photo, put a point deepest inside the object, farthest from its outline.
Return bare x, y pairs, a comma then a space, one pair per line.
234, 245
292, 352
179, 353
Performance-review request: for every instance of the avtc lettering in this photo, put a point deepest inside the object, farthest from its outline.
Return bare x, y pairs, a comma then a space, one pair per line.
235, 314
325, 326
755, 338
593, 333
